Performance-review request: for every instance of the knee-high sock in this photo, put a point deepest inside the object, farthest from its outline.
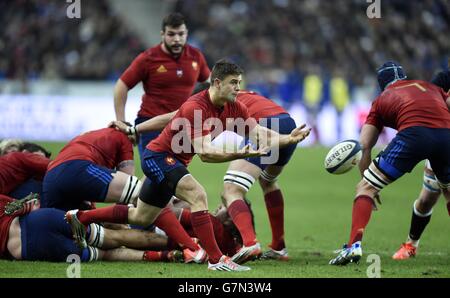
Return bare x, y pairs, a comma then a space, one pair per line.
362, 209
201, 224
113, 214
168, 222
242, 218
275, 209
419, 222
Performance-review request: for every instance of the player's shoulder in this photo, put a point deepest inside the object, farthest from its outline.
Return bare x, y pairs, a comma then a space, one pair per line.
150, 53
192, 51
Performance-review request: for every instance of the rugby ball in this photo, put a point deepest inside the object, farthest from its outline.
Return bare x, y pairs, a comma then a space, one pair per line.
343, 157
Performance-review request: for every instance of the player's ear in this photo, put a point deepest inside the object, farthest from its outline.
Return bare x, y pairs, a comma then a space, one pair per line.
216, 83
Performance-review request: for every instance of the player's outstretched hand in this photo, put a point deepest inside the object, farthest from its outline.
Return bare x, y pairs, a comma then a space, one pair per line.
248, 151
299, 134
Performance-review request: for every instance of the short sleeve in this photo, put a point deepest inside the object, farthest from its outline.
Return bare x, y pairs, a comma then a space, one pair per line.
136, 72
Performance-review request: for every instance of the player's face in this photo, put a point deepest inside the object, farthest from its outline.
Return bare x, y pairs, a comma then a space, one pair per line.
174, 39
230, 87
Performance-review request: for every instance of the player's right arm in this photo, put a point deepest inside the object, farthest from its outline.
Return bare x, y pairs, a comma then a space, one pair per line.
208, 153
120, 99
134, 74
368, 139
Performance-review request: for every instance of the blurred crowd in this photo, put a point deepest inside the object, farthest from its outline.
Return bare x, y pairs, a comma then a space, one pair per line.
290, 49
279, 42
38, 40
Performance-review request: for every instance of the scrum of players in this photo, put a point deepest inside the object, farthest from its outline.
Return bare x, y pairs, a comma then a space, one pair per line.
164, 215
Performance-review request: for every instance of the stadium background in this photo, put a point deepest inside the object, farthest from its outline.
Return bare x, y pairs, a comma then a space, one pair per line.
57, 76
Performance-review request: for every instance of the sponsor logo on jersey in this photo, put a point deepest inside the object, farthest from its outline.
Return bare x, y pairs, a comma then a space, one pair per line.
161, 69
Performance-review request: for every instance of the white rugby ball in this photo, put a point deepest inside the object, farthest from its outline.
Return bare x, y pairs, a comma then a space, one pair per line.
343, 157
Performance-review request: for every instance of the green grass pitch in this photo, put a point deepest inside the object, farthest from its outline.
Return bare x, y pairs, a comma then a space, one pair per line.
317, 218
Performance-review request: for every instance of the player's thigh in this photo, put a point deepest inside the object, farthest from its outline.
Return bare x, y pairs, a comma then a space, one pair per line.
123, 188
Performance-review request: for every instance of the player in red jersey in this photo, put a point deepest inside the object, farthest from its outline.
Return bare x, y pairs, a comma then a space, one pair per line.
96, 166
429, 195
168, 71
198, 121
18, 167
418, 110
30, 233
242, 173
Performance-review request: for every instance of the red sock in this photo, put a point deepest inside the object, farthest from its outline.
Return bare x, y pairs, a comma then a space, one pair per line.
155, 256
275, 209
362, 209
113, 214
201, 224
168, 222
242, 218
185, 218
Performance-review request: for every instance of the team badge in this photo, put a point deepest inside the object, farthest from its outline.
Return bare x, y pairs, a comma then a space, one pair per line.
179, 73
161, 69
170, 161
194, 65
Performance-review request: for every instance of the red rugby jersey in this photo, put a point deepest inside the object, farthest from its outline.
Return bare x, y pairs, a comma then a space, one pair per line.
18, 167
408, 103
168, 82
5, 223
106, 147
189, 128
258, 106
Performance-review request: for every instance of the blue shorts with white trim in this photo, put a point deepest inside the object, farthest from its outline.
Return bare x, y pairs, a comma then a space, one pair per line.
414, 144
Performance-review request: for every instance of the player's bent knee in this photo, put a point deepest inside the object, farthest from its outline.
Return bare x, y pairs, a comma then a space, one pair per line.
372, 175
430, 183
131, 191
365, 188
239, 179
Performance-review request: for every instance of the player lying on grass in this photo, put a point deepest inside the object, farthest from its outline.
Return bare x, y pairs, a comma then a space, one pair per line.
419, 111
30, 233
429, 195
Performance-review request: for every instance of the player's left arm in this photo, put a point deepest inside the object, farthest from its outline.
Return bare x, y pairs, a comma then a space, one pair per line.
368, 138
268, 137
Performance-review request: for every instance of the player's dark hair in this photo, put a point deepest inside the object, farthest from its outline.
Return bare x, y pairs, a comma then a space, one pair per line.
224, 68
33, 147
174, 20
